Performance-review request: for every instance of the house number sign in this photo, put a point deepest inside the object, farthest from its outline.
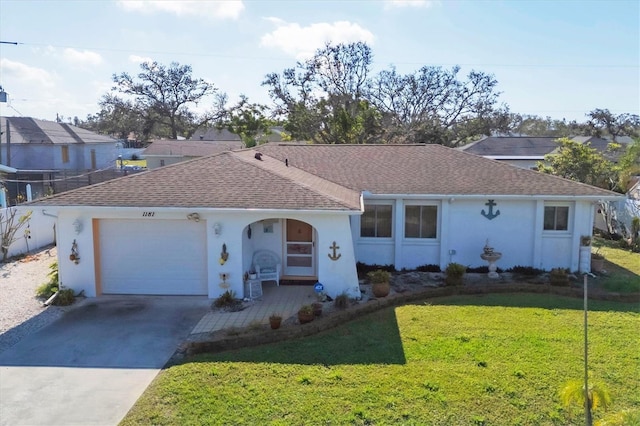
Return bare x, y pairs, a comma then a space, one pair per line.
490, 215
148, 214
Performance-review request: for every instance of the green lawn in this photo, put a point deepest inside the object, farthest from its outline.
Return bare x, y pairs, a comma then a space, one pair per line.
622, 266
464, 360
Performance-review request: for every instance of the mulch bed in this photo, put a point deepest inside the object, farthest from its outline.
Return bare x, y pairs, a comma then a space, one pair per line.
405, 288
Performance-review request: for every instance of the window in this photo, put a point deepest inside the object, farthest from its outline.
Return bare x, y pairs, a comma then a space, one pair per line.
376, 221
420, 222
556, 218
65, 153
93, 159
161, 163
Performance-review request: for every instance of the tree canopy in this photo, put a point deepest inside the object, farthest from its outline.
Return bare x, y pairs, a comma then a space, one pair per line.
334, 97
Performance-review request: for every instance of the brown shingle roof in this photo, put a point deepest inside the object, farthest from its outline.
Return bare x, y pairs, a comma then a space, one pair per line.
521, 146
226, 180
189, 148
321, 177
423, 169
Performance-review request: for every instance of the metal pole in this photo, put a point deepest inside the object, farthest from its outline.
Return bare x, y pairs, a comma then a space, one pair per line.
587, 402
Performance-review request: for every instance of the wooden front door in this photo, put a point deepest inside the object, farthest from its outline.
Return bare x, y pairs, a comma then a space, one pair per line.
299, 253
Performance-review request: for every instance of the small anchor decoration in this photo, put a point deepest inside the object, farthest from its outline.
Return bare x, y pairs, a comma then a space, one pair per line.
335, 256
491, 215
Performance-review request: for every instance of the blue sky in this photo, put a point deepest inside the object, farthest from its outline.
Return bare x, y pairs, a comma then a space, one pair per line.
551, 58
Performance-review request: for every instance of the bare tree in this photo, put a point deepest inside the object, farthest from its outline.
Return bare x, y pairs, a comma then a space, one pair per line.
9, 226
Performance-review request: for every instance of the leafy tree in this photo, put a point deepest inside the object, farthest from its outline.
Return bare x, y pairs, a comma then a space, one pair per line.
602, 122
248, 121
323, 98
629, 164
581, 163
161, 96
432, 105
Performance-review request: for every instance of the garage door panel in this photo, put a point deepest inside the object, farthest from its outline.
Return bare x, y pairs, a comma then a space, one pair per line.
153, 257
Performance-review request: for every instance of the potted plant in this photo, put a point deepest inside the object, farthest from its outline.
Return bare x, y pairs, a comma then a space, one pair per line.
455, 273
305, 314
558, 277
597, 261
252, 274
275, 319
380, 286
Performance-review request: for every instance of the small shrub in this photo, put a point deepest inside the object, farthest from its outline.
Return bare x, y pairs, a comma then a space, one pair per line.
363, 268
529, 271
455, 272
559, 277
341, 301
65, 297
306, 310
429, 268
228, 298
379, 276
47, 289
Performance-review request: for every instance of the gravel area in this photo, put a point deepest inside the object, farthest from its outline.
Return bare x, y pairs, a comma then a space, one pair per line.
21, 313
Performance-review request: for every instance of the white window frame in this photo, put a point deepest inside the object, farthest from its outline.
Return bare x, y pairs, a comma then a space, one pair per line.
569, 208
421, 203
393, 213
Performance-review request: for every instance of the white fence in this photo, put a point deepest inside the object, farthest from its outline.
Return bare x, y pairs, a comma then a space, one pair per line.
40, 230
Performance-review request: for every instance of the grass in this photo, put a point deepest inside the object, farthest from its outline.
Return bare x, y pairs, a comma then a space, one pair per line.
464, 360
622, 266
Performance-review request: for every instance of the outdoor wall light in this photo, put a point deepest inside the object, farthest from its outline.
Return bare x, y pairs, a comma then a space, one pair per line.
217, 229
194, 217
77, 226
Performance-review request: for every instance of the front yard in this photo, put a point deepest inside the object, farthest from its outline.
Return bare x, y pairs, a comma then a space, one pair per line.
469, 360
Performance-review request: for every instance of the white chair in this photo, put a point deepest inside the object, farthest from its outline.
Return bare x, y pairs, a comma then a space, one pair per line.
267, 266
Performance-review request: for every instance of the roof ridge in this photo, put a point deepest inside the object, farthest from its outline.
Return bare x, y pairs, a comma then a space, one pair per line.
247, 155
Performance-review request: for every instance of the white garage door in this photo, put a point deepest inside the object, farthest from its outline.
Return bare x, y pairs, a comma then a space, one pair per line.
153, 257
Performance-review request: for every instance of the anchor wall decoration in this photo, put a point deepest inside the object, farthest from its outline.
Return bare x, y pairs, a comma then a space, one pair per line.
491, 215
335, 256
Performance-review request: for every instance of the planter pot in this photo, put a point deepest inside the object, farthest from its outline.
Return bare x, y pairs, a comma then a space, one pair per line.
380, 289
305, 317
317, 309
275, 323
597, 264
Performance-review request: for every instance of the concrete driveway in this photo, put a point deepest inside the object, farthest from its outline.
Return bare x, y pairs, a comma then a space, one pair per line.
90, 366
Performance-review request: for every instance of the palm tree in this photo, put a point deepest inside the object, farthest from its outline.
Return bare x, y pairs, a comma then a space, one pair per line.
574, 392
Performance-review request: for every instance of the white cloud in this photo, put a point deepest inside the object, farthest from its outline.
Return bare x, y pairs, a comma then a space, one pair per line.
82, 57
409, 3
302, 42
139, 59
230, 9
22, 72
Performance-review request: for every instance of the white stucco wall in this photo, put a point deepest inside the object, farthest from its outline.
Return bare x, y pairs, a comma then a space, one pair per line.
40, 229
337, 276
517, 233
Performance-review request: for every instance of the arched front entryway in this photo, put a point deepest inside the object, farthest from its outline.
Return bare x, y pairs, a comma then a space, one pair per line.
292, 240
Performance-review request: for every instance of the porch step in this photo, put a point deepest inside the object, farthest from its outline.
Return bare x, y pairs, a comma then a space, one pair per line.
297, 280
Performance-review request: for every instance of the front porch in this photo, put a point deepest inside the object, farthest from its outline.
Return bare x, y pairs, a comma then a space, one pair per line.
285, 299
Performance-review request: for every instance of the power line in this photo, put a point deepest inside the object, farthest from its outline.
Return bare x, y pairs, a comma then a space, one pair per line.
276, 58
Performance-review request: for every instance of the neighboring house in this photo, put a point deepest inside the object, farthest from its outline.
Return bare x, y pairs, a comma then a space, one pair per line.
40, 149
165, 152
224, 135
525, 151
321, 209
